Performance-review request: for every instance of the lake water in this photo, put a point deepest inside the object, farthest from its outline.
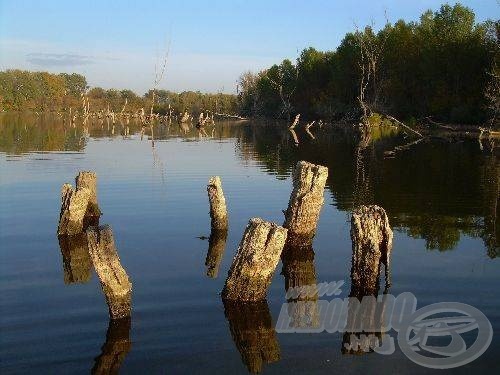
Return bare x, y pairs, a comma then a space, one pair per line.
441, 198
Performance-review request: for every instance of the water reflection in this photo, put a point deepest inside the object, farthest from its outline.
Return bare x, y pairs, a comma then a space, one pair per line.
115, 348
436, 190
301, 286
253, 333
366, 309
77, 265
216, 247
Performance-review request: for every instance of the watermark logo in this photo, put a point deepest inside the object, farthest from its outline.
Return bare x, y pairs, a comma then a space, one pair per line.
453, 319
441, 336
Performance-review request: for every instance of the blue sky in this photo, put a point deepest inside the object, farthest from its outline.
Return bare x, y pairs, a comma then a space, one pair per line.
116, 43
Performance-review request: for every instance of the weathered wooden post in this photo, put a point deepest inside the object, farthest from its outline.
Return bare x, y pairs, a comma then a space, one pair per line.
253, 333
216, 247
87, 179
114, 280
255, 261
73, 208
115, 349
371, 238
306, 200
76, 260
218, 210
79, 207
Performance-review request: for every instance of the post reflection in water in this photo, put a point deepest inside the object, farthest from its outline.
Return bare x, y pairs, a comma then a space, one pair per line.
216, 247
301, 286
115, 348
77, 265
365, 314
253, 333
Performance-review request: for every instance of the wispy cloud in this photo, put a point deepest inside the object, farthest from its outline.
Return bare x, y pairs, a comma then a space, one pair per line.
58, 59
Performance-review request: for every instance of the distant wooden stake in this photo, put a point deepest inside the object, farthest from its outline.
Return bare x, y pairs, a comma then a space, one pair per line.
255, 261
218, 210
306, 200
371, 238
114, 280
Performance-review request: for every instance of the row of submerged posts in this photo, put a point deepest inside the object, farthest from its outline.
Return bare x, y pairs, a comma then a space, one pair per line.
85, 244
262, 246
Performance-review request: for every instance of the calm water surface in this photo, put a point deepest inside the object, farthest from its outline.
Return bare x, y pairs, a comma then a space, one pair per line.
442, 201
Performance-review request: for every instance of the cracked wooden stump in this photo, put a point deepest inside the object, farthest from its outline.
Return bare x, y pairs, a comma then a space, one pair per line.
306, 200
371, 238
79, 208
115, 349
218, 210
115, 283
87, 179
256, 259
253, 333
216, 247
76, 259
73, 208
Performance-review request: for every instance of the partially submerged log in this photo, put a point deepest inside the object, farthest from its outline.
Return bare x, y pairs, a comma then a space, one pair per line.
255, 261
76, 259
115, 349
73, 208
253, 333
306, 200
218, 209
371, 238
114, 280
216, 247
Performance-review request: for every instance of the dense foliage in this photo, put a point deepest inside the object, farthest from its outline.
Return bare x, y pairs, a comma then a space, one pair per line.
42, 91
440, 66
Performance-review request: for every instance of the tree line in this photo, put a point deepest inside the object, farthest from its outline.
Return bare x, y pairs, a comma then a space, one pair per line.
445, 66
43, 91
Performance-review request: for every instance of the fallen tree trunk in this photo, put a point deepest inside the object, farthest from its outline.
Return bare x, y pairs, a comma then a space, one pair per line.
114, 280
306, 200
255, 261
218, 209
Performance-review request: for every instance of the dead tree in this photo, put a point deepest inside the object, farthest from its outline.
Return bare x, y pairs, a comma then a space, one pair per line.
218, 210
285, 86
306, 200
255, 261
115, 283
